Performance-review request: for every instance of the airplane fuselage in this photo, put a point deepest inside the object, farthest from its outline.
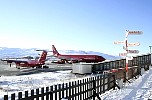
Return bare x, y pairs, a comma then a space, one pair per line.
31, 63
77, 58
82, 58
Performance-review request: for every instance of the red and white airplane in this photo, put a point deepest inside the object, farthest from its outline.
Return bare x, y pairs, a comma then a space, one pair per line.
77, 58
29, 63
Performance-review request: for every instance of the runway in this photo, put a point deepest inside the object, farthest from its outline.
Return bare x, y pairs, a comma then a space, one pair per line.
6, 70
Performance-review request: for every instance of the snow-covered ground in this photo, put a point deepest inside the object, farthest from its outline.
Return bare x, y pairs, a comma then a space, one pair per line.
15, 84
138, 89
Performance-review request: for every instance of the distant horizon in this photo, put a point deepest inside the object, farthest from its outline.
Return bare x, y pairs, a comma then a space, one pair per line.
49, 50
66, 51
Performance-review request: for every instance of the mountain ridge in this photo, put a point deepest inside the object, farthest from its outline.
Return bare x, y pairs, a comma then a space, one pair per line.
6, 52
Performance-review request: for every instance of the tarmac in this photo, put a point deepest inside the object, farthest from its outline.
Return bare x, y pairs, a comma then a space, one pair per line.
6, 70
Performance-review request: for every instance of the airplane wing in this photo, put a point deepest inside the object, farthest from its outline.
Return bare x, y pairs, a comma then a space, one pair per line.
68, 58
15, 61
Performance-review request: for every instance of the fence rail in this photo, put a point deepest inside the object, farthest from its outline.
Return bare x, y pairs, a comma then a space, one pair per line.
116, 64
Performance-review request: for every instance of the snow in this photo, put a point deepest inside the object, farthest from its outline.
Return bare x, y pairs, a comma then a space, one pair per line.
15, 84
140, 88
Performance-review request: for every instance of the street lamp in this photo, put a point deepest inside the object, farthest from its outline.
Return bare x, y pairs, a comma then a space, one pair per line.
150, 48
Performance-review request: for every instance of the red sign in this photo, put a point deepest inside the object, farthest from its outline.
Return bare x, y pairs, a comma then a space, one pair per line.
119, 42
132, 51
133, 44
134, 32
122, 54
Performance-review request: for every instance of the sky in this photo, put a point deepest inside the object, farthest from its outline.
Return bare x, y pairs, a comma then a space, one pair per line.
89, 25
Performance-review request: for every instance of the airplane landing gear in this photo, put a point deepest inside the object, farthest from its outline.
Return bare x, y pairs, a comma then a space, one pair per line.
45, 66
18, 67
39, 67
42, 66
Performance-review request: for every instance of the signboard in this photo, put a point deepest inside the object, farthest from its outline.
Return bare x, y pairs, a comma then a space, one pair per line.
119, 42
122, 54
134, 32
126, 45
133, 44
132, 51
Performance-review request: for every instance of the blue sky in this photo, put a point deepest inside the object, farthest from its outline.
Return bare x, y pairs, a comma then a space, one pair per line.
90, 25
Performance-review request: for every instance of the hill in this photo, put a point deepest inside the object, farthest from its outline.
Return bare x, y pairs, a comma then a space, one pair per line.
19, 52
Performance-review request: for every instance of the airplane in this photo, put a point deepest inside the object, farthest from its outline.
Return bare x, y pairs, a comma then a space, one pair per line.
38, 63
77, 58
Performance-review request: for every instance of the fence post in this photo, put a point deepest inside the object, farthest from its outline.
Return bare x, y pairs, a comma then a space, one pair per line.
147, 67
13, 96
80, 89
124, 76
20, 95
114, 82
56, 88
51, 94
47, 94
26, 94
42, 92
103, 83
139, 70
132, 72
37, 93
62, 90
109, 81
5, 97
94, 89
32, 94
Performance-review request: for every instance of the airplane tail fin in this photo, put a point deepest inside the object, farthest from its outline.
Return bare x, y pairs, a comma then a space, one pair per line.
55, 52
43, 57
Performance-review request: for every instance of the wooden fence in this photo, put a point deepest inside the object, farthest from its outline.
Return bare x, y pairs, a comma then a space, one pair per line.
88, 88
84, 89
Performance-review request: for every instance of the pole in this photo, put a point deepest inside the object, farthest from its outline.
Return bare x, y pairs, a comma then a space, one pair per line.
126, 68
126, 45
150, 48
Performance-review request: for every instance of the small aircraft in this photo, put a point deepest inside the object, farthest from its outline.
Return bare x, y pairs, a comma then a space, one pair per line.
77, 58
38, 63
